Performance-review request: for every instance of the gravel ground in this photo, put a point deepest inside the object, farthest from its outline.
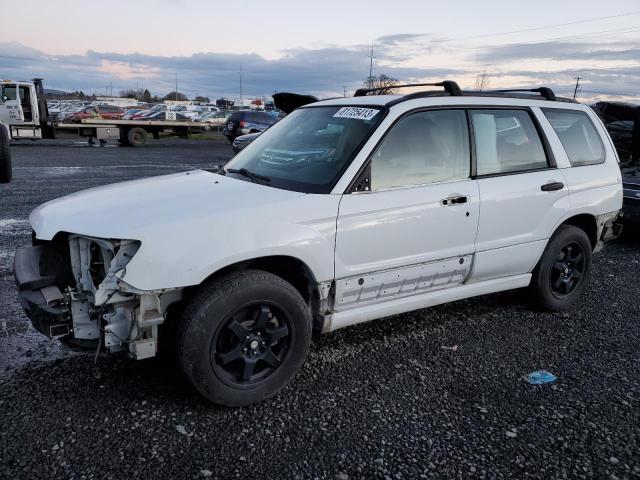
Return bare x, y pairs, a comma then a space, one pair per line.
437, 393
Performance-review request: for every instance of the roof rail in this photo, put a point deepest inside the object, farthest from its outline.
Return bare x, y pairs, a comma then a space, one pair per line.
449, 86
545, 92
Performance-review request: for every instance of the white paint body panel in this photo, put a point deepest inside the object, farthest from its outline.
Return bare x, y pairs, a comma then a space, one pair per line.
192, 224
406, 226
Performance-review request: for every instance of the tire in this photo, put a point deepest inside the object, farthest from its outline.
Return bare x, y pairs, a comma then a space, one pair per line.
563, 271
5, 156
243, 337
136, 137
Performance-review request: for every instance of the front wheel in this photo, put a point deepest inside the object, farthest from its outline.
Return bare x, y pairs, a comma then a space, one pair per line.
243, 337
564, 269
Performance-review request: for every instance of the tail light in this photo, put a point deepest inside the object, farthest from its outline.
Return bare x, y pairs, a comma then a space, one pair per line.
242, 123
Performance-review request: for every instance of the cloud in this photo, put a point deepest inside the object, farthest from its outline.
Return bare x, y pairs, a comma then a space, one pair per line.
556, 50
607, 68
322, 71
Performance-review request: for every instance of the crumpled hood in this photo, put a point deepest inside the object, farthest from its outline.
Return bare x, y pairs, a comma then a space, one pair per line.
139, 208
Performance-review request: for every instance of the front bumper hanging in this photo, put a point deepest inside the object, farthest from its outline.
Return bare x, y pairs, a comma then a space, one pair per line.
40, 297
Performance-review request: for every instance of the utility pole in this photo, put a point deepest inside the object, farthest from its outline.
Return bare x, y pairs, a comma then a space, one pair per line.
575, 90
176, 87
111, 85
241, 102
344, 90
137, 90
371, 62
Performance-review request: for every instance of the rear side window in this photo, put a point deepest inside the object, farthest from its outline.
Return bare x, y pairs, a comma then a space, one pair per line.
424, 147
578, 136
506, 142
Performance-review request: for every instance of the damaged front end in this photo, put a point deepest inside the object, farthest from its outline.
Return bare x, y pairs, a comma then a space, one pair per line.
73, 288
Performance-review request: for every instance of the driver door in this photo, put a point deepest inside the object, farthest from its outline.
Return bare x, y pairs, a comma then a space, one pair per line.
415, 230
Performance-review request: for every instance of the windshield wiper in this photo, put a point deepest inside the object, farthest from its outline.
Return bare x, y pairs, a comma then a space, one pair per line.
250, 175
219, 169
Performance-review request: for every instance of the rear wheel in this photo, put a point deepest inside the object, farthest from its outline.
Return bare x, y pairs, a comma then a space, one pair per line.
243, 337
137, 137
564, 269
5, 156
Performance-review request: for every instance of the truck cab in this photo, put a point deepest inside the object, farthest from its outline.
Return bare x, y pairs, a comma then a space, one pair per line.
24, 110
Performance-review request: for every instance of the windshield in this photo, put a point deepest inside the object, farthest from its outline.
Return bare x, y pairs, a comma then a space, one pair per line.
310, 148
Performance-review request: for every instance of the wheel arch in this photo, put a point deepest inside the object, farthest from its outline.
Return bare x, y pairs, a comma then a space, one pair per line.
290, 269
587, 223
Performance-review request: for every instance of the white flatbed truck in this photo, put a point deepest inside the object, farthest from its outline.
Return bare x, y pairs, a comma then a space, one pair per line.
25, 116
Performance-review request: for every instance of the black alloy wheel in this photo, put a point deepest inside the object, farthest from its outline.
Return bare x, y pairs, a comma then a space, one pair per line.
563, 271
251, 344
568, 269
243, 337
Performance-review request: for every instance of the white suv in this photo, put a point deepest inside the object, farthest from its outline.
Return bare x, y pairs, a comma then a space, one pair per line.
345, 211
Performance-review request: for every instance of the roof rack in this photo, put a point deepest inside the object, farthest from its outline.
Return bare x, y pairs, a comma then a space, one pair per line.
545, 92
449, 86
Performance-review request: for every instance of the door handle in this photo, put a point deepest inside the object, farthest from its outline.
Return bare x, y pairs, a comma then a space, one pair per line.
552, 186
457, 200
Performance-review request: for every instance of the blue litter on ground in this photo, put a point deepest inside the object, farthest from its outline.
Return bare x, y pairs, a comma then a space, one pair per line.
540, 377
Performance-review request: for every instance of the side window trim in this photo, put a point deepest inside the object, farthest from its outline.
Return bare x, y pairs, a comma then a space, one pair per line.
363, 176
546, 146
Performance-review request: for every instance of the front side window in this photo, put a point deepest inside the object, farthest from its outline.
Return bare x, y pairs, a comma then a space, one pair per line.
506, 141
577, 135
9, 93
424, 147
309, 149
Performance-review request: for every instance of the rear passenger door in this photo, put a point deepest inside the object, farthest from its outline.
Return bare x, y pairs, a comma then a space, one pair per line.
523, 195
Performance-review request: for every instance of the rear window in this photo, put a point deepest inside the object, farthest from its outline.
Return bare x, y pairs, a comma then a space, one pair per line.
578, 136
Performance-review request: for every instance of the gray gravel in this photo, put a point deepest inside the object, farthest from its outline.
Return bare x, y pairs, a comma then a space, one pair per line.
437, 393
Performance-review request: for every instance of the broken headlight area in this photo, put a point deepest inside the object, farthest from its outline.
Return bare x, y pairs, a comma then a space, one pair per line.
74, 288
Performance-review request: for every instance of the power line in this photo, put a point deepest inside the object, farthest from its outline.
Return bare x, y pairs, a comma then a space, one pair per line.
565, 37
531, 29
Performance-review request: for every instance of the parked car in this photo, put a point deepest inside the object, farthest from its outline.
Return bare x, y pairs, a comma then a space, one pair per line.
623, 123
107, 112
213, 119
243, 122
163, 116
345, 211
239, 143
129, 113
285, 102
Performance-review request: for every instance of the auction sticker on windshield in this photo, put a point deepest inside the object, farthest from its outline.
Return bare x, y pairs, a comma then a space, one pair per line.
356, 112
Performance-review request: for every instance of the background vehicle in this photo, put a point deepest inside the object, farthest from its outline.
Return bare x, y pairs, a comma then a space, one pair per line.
167, 116
244, 122
5, 153
239, 143
106, 112
623, 123
25, 114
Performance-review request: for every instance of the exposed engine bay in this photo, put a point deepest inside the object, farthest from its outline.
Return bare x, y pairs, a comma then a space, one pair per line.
73, 288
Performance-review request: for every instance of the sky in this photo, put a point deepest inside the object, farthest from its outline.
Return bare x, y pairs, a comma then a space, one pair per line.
322, 48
